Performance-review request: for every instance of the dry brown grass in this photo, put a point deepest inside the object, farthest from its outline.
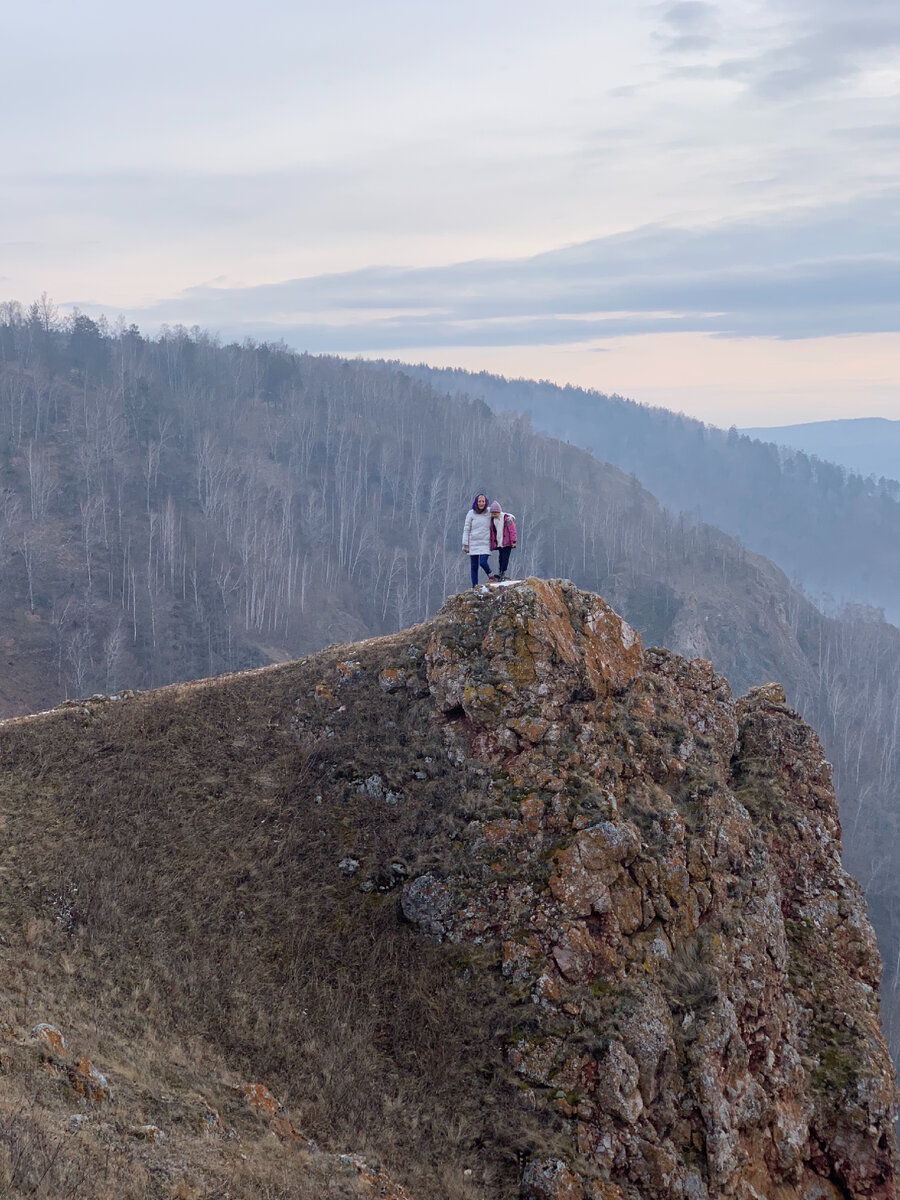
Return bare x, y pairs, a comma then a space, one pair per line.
175, 859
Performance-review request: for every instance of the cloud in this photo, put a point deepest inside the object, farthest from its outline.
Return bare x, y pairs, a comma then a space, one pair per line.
875, 135
780, 50
816, 44
689, 26
801, 274
690, 16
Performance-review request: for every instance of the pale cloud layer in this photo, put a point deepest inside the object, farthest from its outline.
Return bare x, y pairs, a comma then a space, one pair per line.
489, 178
795, 274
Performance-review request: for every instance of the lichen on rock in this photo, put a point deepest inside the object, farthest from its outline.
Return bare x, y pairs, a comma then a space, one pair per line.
695, 929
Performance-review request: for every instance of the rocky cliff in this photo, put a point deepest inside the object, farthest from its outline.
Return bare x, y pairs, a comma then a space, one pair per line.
506, 901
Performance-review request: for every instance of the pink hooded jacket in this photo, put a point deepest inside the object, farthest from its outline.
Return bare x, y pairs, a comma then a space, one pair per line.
509, 531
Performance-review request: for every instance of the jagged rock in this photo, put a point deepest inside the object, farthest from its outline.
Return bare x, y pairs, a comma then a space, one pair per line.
545, 646
696, 907
147, 1133
86, 1081
427, 902
376, 1181
51, 1037
258, 1098
392, 679
551, 1179
617, 1086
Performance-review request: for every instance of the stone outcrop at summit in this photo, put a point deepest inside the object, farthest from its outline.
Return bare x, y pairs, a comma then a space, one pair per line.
587, 909
666, 886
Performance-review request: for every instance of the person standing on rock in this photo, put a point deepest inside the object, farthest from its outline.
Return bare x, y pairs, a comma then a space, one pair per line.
476, 539
503, 536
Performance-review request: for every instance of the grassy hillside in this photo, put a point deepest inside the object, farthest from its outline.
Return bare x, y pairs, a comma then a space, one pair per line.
173, 901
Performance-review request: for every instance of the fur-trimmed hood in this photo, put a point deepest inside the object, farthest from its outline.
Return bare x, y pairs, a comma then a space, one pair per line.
503, 530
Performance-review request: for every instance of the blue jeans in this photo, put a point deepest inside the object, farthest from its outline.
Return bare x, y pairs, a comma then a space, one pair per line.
476, 561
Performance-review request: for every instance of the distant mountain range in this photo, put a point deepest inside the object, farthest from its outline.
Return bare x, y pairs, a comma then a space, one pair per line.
866, 445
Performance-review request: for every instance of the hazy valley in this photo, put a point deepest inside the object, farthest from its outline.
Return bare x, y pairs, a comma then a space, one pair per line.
864, 445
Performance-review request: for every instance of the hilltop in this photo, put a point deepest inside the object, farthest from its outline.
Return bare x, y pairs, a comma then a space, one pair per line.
173, 508
505, 903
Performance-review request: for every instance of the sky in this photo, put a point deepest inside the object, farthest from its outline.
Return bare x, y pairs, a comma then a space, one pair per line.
694, 203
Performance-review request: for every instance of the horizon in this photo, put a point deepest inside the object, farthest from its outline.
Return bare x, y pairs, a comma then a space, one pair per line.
834, 421
693, 203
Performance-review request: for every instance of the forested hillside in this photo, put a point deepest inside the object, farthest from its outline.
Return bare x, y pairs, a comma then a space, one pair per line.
864, 445
172, 508
834, 531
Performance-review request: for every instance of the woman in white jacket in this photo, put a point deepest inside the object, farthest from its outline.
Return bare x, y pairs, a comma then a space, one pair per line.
476, 538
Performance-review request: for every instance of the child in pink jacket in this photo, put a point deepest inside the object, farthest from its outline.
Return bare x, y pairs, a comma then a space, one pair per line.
503, 535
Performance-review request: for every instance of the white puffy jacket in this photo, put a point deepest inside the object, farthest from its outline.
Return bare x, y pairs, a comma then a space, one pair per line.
477, 532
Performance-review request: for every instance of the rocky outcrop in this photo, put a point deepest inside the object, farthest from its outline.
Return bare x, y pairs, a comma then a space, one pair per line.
665, 886
517, 907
